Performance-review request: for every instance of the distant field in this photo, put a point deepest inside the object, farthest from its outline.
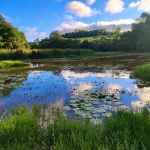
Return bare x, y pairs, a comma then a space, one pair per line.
96, 37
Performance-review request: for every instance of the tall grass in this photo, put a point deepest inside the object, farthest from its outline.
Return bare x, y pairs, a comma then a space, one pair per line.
143, 72
42, 128
108, 53
128, 130
48, 53
20, 131
10, 63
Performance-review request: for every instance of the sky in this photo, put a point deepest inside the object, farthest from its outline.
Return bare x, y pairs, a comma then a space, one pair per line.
38, 18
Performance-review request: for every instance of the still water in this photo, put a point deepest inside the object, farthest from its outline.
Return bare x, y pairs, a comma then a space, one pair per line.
54, 81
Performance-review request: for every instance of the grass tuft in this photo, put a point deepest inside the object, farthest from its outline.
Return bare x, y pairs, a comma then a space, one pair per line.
142, 72
11, 63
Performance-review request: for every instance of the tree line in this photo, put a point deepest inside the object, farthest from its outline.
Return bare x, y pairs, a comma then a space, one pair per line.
138, 39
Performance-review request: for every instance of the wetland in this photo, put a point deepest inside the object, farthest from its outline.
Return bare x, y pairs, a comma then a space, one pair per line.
88, 87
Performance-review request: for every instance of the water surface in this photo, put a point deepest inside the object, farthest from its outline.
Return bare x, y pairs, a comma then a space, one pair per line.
55, 81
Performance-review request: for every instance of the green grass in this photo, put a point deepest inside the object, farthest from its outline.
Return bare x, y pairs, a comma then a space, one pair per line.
94, 38
11, 63
107, 53
39, 128
41, 54
142, 72
128, 131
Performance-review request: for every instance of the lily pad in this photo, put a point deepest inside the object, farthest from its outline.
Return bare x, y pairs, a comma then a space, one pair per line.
123, 107
96, 121
108, 98
73, 97
101, 110
107, 114
86, 115
118, 103
66, 108
96, 115
87, 105
89, 108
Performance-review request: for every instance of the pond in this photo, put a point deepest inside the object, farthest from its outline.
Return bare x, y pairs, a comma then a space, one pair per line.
93, 85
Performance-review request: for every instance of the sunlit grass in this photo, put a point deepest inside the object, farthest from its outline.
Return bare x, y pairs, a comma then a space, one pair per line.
10, 63
127, 130
142, 72
41, 128
108, 53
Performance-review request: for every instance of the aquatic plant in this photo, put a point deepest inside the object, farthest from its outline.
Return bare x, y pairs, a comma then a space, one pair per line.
95, 105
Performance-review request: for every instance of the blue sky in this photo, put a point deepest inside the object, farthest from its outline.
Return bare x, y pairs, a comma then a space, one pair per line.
37, 18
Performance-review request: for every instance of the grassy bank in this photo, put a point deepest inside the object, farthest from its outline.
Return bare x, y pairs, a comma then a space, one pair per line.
41, 54
37, 128
10, 63
142, 72
59, 53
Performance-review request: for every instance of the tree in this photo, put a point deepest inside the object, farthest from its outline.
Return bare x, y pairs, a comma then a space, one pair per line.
11, 38
141, 31
55, 34
116, 32
1, 43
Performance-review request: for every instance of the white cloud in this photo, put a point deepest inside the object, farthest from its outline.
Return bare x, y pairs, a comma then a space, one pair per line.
81, 87
90, 2
33, 32
114, 6
80, 9
143, 5
72, 25
144, 97
42, 34
134, 4
68, 17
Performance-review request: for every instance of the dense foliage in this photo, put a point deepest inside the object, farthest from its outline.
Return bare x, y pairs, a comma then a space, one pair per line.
10, 37
138, 39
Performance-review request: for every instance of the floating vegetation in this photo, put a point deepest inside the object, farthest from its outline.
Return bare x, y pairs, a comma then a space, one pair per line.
11, 81
95, 105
